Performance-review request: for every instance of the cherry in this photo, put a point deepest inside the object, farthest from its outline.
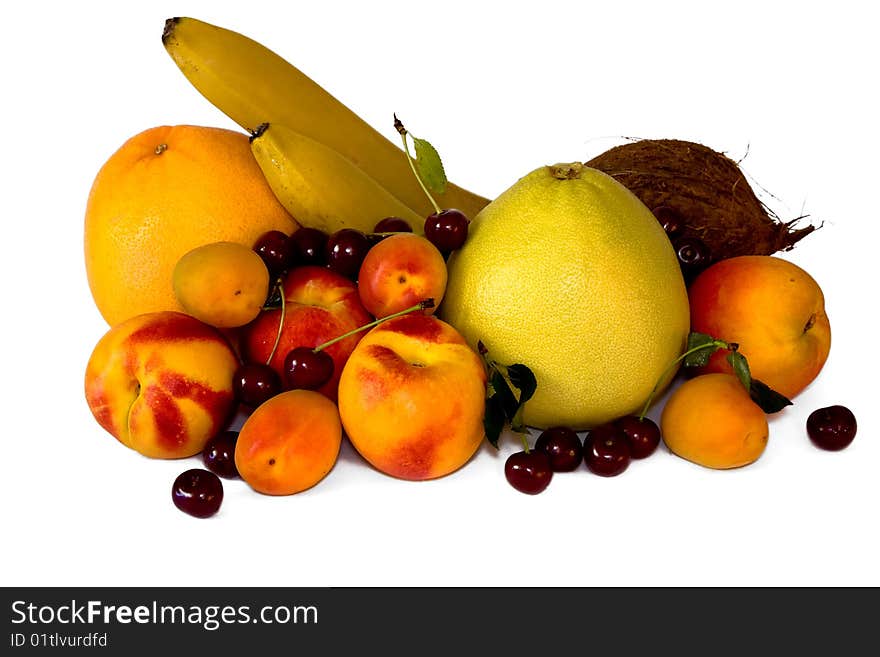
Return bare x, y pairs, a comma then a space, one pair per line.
670, 220
345, 251
254, 383
219, 454
562, 446
447, 230
643, 435
275, 249
307, 369
528, 472
308, 245
832, 428
606, 451
393, 225
693, 254
198, 493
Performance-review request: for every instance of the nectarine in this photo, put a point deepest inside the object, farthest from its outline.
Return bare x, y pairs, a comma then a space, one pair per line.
161, 383
320, 305
412, 396
400, 271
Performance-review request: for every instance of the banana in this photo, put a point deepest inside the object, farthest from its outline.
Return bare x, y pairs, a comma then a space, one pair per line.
252, 85
321, 188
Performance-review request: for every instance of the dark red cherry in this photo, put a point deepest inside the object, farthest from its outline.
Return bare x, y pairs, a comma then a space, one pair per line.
275, 250
219, 454
528, 472
345, 251
832, 428
447, 230
308, 246
307, 369
562, 446
606, 451
393, 225
254, 383
693, 255
197, 492
643, 435
670, 220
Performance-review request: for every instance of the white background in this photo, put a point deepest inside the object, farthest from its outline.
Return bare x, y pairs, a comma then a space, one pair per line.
499, 92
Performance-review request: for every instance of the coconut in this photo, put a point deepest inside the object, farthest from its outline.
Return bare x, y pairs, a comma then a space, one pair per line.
702, 198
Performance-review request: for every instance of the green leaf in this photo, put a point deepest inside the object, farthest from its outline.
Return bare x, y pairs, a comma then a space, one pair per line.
741, 368
493, 419
767, 398
504, 393
430, 166
523, 379
706, 345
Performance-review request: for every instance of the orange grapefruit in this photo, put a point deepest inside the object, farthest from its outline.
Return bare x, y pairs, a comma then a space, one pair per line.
166, 191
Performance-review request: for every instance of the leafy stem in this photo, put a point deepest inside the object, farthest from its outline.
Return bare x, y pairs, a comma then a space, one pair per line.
700, 348
502, 404
708, 347
426, 164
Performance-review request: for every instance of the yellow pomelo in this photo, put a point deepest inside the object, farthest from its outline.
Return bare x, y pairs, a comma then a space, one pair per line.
166, 191
570, 274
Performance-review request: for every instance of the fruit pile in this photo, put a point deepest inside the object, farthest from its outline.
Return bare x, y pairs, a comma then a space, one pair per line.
324, 284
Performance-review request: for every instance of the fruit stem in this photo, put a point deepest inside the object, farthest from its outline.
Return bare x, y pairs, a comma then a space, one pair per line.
718, 344
398, 125
279, 285
421, 305
525, 442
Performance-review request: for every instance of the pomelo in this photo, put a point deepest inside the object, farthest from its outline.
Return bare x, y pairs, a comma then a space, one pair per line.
570, 274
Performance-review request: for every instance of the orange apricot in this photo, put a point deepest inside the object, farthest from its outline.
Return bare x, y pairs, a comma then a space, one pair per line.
712, 421
289, 443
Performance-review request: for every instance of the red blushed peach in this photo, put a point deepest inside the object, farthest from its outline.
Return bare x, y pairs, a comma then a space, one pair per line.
161, 383
320, 306
773, 309
399, 272
289, 443
411, 398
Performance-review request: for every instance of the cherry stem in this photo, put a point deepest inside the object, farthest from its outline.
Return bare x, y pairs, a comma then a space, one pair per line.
279, 285
398, 125
718, 344
421, 305
525, 442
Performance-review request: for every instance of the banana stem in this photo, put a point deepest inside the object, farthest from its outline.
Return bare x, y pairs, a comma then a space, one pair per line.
421, 305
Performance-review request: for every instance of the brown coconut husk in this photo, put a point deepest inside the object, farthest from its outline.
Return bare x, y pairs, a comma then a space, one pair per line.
707, 190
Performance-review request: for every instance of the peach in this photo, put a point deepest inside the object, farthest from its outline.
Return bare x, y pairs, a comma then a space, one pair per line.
773, 309
412, 396
400, 271
223, 284
289, 443
161, 383
320, 305
712, 421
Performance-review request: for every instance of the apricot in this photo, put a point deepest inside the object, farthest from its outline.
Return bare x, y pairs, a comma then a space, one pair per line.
774, 311
712, 421
399, 272
289, 443
223, 284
